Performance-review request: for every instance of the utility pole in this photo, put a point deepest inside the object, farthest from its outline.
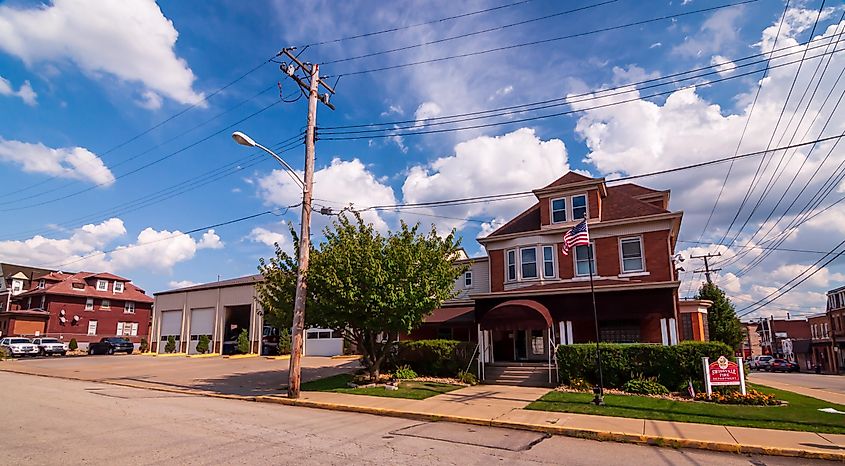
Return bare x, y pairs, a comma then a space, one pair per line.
312, 88
707, 270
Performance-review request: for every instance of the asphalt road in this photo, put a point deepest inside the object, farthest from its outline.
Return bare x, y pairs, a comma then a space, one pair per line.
56, 421
832, 383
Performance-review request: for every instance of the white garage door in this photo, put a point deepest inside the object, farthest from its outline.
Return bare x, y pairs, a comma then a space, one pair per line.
171, 325
202, 323
322, 342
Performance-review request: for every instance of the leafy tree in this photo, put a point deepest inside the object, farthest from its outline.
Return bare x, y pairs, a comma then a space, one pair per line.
170, 347
372, 287
243, 342
73, 345
202, 344
723, 324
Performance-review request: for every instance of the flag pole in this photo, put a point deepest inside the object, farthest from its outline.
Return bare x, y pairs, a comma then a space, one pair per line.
599, 391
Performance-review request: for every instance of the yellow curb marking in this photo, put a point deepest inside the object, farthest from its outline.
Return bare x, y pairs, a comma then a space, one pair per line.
241, 356
206, 355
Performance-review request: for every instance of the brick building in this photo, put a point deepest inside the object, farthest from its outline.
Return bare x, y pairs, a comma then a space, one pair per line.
836, 324
85, 306
820, 343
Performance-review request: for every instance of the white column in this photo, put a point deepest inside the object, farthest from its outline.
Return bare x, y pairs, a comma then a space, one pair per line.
569, 336
673, 332
562, 326
664, 337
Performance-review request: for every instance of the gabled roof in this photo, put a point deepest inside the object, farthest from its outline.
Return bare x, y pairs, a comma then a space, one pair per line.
65, 288
12, 269
569, 178
20, 276
618, 205
104, 276
528, 220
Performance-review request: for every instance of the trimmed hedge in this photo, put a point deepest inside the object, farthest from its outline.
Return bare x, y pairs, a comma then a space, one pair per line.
439, 358
671, 366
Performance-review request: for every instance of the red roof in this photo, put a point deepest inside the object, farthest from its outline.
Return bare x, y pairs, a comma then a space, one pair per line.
570, 178
451, 314
65, 287
618, 205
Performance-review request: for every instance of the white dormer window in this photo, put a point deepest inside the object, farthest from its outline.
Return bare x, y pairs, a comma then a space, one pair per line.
558, 210
579, 207
467, 279
118, 287
17, 285
42, 283
102, 285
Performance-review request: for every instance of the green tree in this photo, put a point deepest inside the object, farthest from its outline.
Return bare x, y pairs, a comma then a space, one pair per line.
73, 345
372, 287
723, 324
202, 344
170, 347
243, 342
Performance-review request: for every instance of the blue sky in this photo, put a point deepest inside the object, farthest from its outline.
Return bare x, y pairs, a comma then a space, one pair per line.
80, 78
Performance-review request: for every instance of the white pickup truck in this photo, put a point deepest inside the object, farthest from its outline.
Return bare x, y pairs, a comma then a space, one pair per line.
17, 346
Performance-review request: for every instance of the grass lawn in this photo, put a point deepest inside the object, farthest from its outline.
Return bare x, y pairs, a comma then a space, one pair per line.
802, 413
407, 389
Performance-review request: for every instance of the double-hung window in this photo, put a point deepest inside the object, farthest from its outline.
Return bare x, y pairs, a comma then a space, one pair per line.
528, 258
582, 260
102, 285
579, 207
89, 304
548, 261
467, 279
105, 304
632, 254
559, 210
129, 307
92, 327
511, 265
118, 287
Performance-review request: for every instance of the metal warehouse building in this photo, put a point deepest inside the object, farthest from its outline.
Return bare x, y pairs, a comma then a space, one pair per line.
221, 310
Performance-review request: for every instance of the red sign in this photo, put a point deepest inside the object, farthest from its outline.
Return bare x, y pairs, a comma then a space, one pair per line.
724, 372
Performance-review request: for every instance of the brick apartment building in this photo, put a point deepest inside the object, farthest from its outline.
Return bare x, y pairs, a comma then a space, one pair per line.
85, 306
836, 327
526, 296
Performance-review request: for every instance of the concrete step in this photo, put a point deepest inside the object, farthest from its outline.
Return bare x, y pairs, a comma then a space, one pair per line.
522, 374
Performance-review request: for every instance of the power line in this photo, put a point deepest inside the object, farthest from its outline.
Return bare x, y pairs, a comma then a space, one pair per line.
765, 248
543, 41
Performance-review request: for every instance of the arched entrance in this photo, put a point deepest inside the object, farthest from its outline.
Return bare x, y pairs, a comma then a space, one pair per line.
518, 330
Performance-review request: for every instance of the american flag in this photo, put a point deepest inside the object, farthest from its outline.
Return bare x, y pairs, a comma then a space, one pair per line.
577, 236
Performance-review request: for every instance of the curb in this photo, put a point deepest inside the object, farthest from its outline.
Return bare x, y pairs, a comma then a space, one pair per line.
278, 358
206, 355
241, 356
588, 434
168, 355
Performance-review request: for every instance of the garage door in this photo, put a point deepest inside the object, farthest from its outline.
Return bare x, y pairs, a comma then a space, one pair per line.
323, 342
202, 323
171, 325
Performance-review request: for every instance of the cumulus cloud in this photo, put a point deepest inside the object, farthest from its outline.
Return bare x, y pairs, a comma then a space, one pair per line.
716, 33
210, 240
65, 162
475, 169
24, 92
268, 237
427, 110
338, 185
723, 66
130, 40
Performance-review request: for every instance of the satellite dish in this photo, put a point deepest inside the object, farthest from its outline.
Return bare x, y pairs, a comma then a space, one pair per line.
62, 319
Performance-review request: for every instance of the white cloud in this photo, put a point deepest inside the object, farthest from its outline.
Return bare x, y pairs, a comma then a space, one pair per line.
393, 110
159, 250
181, 283
476, 169
25, 92
210, 240
723, 66
427, 110
717, 32
131, 40
270, 238
656, 45
337, 185
501, 92
66, 162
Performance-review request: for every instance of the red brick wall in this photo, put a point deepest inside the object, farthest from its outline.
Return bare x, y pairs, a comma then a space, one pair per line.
607, 256
106, 319
594, 203
497, 270
566, 264
656, 245
545, 215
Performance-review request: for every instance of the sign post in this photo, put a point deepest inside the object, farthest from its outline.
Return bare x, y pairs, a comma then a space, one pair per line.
723, 372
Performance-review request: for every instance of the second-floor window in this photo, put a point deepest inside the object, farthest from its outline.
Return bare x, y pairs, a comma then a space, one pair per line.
511, 265
102, 285
582, 260
105, 304
89, 304
528, 258
467, 279
129, 307
548, 261
632, 254
579, 207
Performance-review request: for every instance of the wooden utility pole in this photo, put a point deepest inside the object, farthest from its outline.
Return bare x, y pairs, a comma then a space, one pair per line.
707, 270
298, 332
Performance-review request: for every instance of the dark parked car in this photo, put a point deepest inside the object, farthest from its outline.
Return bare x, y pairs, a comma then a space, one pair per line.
111, 345
782, 365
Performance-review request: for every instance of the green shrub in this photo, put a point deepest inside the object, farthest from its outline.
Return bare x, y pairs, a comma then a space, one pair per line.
170, 347
735, 397
144, 346
440, 358
645, 387
243, 342
405, 372
670, 366
467, 377
202, 344
73, 345
284, 341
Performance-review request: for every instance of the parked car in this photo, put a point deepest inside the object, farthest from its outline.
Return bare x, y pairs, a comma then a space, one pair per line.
17, 346
111, 345
782, 365
50, 346
761, 363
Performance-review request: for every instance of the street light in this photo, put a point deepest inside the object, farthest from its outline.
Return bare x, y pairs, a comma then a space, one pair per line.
245, 140
298, 324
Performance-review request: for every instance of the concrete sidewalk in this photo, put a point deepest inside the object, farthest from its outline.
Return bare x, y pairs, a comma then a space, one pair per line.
504, 406
820, 393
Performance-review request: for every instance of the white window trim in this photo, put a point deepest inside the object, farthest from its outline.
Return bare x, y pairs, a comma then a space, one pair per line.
622, 258
468, 275
633, 274
554, 260
17, 285
122, 287
575, 263
103, 306
565, 210
41, 284
586, 206
87, 307
126, 306
536, 264
508, 279
106, 285
89, 327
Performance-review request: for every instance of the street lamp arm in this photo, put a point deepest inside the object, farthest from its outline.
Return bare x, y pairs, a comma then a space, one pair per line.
291, 172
